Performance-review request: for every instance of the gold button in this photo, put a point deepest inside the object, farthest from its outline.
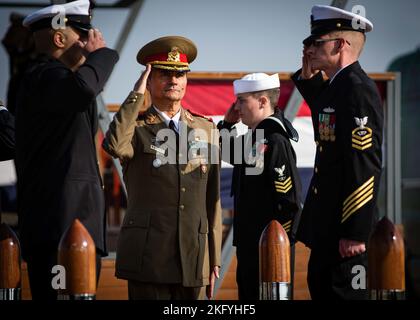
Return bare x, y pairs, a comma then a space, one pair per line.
181, 207
320, 148
183, 189
316, 169
315, 190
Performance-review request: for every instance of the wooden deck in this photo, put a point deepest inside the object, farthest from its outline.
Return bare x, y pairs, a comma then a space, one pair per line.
111, 288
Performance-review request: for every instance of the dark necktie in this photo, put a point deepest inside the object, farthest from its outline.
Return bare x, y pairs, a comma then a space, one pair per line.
173, 128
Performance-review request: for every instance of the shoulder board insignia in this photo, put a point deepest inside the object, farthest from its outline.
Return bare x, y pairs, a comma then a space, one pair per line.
151, 119
189, 116
197, 115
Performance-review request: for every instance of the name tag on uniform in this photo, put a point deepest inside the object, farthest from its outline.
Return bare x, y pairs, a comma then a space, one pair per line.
157, 149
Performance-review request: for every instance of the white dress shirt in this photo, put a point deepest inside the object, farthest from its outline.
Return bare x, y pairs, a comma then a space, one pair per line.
167, 119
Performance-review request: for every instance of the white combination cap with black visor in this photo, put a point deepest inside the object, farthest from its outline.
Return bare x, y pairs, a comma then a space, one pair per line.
76, 14
325, 19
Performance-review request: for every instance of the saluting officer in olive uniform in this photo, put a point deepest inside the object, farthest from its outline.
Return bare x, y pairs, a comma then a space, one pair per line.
170, 241
347, 117
265, 182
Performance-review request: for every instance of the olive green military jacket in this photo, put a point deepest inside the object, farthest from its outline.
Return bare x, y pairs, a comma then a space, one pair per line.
172, 230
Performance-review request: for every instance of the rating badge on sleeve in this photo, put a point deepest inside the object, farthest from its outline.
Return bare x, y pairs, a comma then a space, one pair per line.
361, 137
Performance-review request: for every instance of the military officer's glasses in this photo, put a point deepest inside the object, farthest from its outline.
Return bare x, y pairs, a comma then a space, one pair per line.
319, 42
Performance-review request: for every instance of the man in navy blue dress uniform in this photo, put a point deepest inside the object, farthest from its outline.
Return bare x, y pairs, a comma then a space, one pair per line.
347, 116
56, 124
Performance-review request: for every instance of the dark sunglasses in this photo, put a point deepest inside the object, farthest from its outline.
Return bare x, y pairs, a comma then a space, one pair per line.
318, 42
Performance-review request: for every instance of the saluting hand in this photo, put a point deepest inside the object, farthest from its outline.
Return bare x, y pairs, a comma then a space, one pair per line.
94, 41
307, 71
140, 85
232, 114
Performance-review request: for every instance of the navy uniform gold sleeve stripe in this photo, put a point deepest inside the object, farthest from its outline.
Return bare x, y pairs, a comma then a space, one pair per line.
357, 205
355, 193
358, 199
363, 194
287, 226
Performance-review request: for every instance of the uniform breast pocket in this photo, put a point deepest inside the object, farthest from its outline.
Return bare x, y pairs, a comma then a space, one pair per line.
154, 160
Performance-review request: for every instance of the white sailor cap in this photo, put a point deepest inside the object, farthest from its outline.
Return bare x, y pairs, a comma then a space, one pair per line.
256, 82
325, 19
76, 14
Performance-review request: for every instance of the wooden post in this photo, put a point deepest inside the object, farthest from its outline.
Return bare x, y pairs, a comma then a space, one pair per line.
77, 253
10, 273
275, 276
386, 273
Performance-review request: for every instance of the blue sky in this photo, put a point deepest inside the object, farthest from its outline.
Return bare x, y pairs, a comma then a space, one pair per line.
241, 35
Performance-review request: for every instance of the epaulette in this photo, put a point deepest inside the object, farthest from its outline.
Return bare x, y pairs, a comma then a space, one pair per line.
198, 115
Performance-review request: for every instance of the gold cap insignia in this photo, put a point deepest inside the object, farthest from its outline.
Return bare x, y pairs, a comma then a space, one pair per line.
173, 56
